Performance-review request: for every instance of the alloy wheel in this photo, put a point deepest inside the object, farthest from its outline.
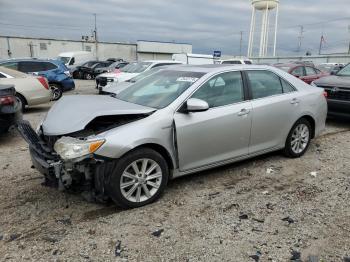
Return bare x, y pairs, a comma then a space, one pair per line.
300, 138
141, 180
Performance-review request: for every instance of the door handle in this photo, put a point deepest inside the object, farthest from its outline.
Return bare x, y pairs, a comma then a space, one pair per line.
244, 112
294, 101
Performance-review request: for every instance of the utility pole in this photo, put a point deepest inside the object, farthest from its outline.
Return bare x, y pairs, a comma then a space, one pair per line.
240, 43
321, 43
349, 40
95, 36
300, 37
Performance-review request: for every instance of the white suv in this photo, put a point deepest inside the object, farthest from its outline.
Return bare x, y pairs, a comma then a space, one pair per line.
235, 61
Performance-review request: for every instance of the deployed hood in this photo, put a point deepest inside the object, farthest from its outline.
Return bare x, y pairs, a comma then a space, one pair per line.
338, 81
73, 113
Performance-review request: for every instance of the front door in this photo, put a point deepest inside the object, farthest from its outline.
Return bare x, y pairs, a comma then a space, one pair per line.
220, 133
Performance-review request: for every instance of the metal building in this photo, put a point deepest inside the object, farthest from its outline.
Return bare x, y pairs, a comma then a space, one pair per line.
15, 47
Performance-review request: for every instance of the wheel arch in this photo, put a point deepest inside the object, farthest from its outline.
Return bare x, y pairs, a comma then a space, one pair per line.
159, 149
22, 96
312, 122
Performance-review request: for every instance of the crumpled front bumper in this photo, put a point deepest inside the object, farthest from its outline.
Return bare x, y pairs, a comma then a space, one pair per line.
85, 175
44, 160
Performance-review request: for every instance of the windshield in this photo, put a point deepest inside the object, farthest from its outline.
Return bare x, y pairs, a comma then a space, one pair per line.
160, 89
64, 59
345, 71
136, 67
144, 74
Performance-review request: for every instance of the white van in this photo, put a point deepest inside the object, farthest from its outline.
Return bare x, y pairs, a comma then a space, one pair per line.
234, 61
75, 58
194, 59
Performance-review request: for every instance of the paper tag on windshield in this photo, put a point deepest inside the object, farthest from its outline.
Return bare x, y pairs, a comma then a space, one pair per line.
187, 79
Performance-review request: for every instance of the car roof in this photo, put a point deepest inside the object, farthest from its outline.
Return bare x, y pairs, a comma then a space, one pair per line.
30, 59
162, 61
219, 67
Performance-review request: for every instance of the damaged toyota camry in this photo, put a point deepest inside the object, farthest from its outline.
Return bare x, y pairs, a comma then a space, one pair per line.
175, 122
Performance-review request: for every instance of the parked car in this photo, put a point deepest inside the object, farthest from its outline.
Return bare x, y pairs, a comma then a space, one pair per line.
111, 68
173, 123
10, 108
131, 70
306, 73
234, 61
338, 92
115, 89
30, 90
75, 70
193, 59
88, 72
54, 71
75, 58
331, 68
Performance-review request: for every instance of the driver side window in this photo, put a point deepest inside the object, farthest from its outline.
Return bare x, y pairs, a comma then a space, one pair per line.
221, 90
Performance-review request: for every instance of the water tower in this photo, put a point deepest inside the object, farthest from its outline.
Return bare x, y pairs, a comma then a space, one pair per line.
265, 7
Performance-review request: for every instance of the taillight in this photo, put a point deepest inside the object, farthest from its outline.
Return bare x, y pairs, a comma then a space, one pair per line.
44, 82
325, 94
7, 100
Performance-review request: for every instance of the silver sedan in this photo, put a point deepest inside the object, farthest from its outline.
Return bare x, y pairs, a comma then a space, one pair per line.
175, 122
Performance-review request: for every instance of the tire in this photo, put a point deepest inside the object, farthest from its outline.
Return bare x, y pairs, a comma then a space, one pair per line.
76, 75
299, 138
56, 92
22, 102
123, 179
88, 76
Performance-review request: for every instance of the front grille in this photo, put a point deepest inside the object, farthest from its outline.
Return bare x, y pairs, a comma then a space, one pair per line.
337, 93
34, 141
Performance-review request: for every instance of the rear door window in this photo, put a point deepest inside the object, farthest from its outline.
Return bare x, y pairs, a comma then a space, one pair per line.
310, 71
264, 84
49, 66
31, 66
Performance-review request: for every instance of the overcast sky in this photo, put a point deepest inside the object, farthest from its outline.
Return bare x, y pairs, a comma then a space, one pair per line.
207, 24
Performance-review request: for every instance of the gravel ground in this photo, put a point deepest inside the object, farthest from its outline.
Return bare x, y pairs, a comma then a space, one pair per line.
266, 209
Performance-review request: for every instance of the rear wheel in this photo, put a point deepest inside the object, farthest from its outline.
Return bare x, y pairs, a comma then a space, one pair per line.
138, 178
298, 139
56, 92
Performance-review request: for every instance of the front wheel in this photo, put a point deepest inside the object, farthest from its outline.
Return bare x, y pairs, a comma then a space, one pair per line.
138, 178
298, 139
56, 92
88, 76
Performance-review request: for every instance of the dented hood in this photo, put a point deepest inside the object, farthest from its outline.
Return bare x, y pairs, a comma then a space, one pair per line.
72, 113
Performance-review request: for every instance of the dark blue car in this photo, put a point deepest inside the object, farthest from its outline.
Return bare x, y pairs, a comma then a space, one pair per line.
54, 71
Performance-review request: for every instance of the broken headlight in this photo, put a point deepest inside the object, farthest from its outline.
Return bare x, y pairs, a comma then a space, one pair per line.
70, 148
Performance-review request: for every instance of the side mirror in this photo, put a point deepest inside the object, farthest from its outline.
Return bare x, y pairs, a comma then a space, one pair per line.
196, 105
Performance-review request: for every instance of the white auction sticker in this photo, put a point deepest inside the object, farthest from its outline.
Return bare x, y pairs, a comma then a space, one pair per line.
187, 79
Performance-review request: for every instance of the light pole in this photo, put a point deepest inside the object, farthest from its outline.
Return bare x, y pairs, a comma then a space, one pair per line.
95, 36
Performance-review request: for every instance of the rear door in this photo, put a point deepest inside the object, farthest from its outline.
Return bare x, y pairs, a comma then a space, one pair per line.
220, 133
275, 106
311, 74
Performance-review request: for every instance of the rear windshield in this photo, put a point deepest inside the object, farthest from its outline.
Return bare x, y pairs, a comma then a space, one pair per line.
64, 59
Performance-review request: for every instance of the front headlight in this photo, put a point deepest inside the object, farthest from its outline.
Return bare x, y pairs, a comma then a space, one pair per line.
70, 148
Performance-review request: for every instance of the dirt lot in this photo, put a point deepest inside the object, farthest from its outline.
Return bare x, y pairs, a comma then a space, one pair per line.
266, 209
